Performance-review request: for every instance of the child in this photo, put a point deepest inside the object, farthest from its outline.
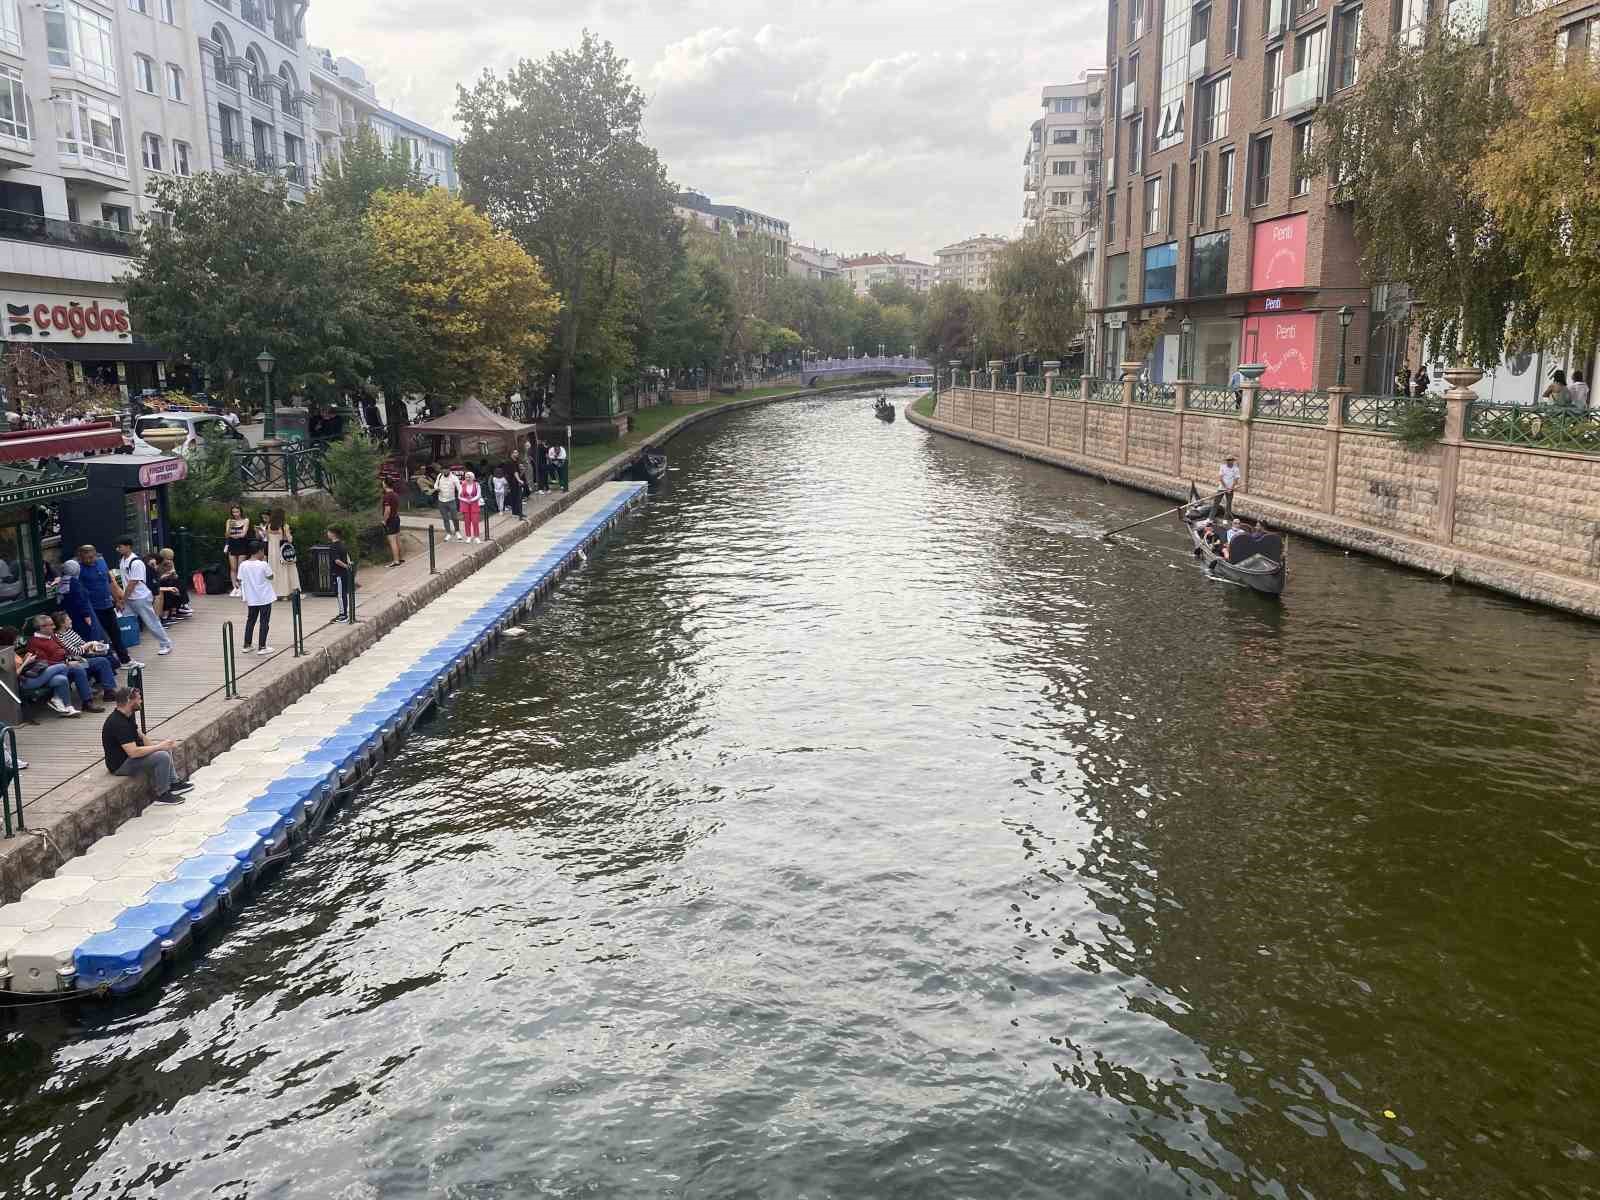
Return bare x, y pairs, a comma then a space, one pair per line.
344, 572
255, 584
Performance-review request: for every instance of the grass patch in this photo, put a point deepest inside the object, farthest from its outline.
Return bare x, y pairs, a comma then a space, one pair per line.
924, 407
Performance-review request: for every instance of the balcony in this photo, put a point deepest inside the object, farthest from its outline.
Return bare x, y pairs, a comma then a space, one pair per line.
86, 161
1303, 89
1128, 102
295, 173
234, 151
70, 235
1030, 184
325, 120
1197, 59
264, 162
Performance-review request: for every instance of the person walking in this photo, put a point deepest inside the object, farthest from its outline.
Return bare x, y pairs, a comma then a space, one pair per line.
502, 489
391, 523
102, 593
128, 754
447, 493
255, 586
471, 508
344, 572
236, 542
1578, 392
74, 598
285, 571
136, 595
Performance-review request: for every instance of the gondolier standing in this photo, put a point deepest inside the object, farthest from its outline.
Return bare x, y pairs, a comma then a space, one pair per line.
1229, 478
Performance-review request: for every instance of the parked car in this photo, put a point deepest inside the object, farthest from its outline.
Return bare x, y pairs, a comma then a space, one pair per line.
198, 424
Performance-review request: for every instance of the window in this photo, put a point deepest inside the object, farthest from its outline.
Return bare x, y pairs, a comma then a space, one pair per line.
287, 100
1152, 204
1410, 20
1160, 273
1067, 104
88, 128
1065, 137
180, 157
1301, 183
150, 152
1117, 279
220, 65
174, 82
252, 11
1174, 81
79, 39
1215, 98
1111, 216
1136, 19
1272, 83
232, 124
140, 6
1064, 166
1230, 32
10, 26
19, 571
1208, 264
13, 105
1225, 182
144, 74
1135, 145
1196, 177
1346, 47
1303, 8
255, 76
1060, 199
1260, 170
169, 12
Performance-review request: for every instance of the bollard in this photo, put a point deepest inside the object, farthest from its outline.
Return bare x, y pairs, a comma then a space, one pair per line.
299, 624
230, 670
433, 554
10, 779
136, 680
183, 551
352, 591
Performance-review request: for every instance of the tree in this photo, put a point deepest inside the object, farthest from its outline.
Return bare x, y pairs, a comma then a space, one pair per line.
41, 390
1040, 291
1537, 180
235, 269
1401, 149
361, 170
889, 292
694, 314
471, 306
553, 153
955, 321
353, 464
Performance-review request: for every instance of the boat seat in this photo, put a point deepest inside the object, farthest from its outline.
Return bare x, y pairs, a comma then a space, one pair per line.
1248, 545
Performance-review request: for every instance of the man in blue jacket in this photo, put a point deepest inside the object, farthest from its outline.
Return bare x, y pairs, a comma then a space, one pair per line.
95, 579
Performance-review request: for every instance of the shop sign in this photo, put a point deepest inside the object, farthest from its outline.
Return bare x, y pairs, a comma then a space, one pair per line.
36, 317
1286, 345
1268, 304
168, 470
1116, 320
1278, 254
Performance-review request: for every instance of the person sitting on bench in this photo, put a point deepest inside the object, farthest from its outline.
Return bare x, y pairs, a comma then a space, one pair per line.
35, 677
93, 653
47, 648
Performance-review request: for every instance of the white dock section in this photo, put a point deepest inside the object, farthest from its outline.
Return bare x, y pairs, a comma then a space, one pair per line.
108, 917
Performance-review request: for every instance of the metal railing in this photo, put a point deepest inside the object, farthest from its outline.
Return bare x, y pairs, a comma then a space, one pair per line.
54, 231
230, 664
1033, 385
291, 469
10, 781
1105, 391
1205, 398
1155, 395
1069, 386
1364, 411
298, 621
1309, 408
1539, 427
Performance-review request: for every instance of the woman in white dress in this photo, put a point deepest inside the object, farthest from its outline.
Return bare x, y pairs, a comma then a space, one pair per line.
285, 575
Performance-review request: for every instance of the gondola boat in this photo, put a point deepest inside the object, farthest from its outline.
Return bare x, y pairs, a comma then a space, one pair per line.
884, 409
653, 465
1261, 565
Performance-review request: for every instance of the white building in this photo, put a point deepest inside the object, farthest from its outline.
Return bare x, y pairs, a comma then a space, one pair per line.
343, 99
867, 269
968, 262
808, 262
1061, 164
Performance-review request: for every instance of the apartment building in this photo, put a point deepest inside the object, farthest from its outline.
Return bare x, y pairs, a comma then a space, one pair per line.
344, 99
769, 235
864, 270
256, 90
809, 262
968, 262
1061, 163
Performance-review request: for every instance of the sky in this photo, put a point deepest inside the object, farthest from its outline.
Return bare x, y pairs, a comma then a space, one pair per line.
868, 125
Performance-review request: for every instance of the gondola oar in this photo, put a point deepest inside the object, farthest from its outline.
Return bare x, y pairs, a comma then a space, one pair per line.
1166, 512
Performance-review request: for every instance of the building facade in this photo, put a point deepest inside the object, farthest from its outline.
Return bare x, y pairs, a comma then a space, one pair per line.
809, 262
968, 262
864, 270
768, 235
344, 99
1061, 164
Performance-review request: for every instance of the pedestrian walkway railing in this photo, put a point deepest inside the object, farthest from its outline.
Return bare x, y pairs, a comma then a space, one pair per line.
1203, 398
1309, 408
291, 469
1539, 427
1155, 395
10, 781
1105, 391
297, 616
1033, 385
1069, 386
1363, 411
230, 664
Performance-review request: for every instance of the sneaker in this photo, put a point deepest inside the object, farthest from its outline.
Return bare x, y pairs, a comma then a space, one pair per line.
167, 649
170, 798
235, 593
182, 788
341, 617
133, 664
66, 710
22, 764
265, 651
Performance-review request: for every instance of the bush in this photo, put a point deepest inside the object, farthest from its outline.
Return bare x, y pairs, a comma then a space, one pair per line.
211, 477
353, 464
1420, 425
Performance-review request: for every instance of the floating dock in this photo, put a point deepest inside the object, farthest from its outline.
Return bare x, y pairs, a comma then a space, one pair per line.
110, 917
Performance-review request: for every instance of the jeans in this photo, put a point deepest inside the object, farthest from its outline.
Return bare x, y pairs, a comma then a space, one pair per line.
61, 679
345, 587
108, 622
145, 610
157, 766
450, 513
103, 670
263, 613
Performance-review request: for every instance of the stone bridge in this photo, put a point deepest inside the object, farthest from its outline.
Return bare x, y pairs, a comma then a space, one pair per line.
825, 370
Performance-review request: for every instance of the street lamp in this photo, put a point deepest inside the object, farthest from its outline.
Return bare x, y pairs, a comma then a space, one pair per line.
269, 423
1345, 317
1185, 347
850, 352
880, 349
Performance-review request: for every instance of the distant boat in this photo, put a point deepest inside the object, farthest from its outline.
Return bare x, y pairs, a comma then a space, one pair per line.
883, 409
653, 465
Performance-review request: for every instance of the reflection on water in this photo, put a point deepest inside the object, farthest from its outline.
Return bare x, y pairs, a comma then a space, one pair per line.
859, 824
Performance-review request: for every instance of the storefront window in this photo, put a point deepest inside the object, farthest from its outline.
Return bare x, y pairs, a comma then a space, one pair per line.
1160, 273
1116, 280
1208, 264
19, 576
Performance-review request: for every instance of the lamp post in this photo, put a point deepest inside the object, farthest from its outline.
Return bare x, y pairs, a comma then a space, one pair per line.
1185, 346
850, 352
1345, 317
880, 350
269, 420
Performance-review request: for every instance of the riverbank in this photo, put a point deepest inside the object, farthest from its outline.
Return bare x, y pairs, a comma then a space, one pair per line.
69, 800
1372, 471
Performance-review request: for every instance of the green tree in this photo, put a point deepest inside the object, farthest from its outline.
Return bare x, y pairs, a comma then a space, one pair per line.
694, 313
1401, 149
1040, 292
553, 153
361, 170
956, 319
353, 464
888, 292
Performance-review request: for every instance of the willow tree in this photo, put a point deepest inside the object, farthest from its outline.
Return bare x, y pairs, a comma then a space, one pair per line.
1400, 149
1537, 178
1040, 288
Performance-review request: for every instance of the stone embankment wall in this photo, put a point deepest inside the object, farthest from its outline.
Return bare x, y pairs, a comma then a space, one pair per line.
1520, 520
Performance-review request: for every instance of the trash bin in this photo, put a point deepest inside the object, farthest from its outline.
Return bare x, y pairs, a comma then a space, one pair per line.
316, 572
294, 425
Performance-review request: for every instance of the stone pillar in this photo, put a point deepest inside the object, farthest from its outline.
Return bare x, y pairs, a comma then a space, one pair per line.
1052, 372
1130, 380
1180, 405
1247, 414
997, 368
1456, 399
1084, 382
1330, 459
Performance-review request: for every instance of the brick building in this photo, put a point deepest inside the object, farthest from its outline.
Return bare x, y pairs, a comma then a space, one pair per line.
1205, 213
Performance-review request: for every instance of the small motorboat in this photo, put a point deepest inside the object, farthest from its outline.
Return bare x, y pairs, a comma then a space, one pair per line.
1256, 560
883, 409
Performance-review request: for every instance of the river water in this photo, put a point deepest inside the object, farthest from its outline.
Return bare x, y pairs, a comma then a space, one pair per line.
858, 824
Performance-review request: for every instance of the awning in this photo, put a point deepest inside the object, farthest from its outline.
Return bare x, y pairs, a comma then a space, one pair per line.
63, 439
21, 485
107, 352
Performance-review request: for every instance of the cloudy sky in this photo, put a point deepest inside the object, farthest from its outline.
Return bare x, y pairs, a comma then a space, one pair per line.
867, 124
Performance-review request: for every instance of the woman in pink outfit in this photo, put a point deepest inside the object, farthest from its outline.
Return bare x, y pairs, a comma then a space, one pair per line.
471, 507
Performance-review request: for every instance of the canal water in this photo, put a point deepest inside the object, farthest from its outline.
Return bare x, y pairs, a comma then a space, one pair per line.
858, 824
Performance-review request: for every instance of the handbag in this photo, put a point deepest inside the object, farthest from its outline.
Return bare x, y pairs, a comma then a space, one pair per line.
288, 553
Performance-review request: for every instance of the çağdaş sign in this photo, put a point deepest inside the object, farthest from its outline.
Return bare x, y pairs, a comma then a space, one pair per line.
34, 317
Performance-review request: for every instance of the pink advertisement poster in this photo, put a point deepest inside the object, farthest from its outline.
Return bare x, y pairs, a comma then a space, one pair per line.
1278, 255
1287, 345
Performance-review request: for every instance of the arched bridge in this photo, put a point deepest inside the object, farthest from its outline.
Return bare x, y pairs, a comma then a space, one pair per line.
822, 370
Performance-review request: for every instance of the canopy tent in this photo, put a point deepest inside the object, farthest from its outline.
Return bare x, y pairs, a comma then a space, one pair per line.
471, 419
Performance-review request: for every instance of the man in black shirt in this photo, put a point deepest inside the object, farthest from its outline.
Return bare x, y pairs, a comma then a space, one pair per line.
130, 756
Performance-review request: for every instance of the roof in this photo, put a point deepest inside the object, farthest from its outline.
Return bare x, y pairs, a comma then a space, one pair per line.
23, 485
28, 444
468, 419
883, 260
